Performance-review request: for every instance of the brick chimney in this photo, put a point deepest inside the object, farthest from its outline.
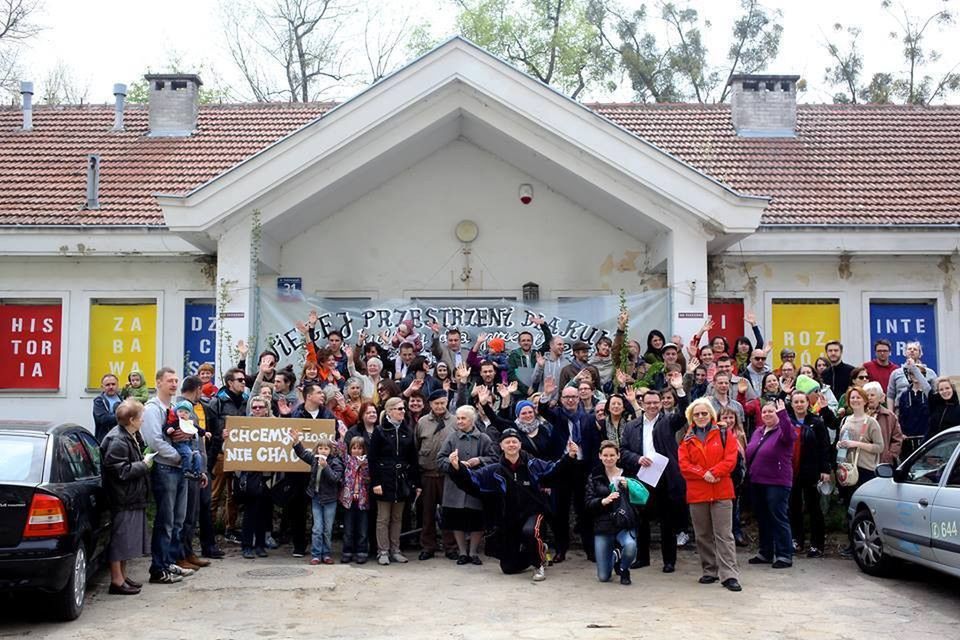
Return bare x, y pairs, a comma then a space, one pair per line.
174, 103
764, 106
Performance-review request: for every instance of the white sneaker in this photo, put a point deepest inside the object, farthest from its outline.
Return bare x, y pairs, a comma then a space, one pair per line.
383, 559
398, 557
180, 571
539, 574
683, 539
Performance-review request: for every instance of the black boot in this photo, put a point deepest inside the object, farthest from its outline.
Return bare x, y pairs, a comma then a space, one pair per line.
625, 577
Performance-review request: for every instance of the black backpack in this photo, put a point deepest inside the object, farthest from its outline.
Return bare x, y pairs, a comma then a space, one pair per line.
739, 471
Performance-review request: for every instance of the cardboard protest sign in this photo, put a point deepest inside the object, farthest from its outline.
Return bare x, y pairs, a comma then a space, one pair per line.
262, 444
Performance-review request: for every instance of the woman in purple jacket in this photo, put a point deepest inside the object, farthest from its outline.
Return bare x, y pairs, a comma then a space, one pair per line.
770, 469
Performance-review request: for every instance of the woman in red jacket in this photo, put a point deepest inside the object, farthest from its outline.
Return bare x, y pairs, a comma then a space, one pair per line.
707, 457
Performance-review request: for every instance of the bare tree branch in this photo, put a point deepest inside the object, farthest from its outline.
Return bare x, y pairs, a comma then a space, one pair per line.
387, 40
16, 26
296, 40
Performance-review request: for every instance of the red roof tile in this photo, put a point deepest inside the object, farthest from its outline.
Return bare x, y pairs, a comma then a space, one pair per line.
43, 172
848, 165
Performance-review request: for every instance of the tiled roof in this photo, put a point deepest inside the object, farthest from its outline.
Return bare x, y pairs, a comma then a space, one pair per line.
43, 172
848, 165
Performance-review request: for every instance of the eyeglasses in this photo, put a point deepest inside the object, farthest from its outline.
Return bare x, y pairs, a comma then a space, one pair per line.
863, 377
239, 379
568, 397
759, 358
700, 414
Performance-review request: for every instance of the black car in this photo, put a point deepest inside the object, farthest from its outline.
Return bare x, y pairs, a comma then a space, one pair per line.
54, 517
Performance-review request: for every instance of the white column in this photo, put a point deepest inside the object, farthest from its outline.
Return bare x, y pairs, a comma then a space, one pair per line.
235, 303
686, 256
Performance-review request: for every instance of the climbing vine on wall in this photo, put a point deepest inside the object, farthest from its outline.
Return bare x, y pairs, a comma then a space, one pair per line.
256, 239
622, 358
224, 337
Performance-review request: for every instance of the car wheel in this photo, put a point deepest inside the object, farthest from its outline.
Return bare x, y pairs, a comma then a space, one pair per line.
868, 549
68, 603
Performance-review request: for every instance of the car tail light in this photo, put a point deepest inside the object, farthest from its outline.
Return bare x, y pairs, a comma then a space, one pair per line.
47, 517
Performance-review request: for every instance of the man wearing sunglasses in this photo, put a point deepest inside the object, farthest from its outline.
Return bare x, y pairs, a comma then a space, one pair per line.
756, 369
231, 400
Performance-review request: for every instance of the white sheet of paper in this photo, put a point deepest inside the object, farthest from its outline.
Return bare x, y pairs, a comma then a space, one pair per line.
651, 475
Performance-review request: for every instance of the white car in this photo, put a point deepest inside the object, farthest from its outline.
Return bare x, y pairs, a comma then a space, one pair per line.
911, 512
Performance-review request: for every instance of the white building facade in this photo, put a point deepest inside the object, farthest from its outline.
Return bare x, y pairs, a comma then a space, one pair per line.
364, 203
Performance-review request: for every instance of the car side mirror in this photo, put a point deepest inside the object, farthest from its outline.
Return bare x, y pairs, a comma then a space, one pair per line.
885, 470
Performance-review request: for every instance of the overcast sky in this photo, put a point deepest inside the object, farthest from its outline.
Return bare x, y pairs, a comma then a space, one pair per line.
108, 41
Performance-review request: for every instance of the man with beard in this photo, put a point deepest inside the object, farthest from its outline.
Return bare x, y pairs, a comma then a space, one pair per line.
837, 376
602, 361
468, 391
581, 354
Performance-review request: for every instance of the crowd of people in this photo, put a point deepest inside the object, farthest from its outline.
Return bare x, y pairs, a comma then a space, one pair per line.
498, 449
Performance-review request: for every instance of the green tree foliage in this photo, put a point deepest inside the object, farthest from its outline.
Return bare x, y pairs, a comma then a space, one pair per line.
553, 40
646, 62
679, 67
847, 65
915, 83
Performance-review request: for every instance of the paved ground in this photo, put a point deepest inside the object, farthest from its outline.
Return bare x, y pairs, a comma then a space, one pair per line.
818, 599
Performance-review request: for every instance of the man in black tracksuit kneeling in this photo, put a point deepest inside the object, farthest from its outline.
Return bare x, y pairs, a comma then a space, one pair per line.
517, 478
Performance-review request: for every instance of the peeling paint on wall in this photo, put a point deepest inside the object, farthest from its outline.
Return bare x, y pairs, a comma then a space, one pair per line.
652, 281
629, 261
607, 267
949, 268
844, 269
716, 274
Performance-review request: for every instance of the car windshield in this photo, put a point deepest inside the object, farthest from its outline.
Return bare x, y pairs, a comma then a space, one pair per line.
21, 458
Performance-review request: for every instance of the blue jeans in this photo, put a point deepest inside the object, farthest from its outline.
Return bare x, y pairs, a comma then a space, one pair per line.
355, 527
322, 528
170, 494
190, 461
771, 507
603, 548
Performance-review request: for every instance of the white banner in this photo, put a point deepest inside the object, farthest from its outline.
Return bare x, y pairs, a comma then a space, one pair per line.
586, 319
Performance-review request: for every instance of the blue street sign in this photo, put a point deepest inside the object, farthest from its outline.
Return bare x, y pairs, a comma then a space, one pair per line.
290, 288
